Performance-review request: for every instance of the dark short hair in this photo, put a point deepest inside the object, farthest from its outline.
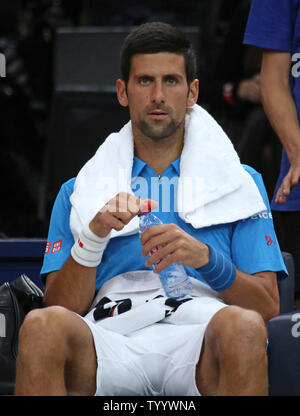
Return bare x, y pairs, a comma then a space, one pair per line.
155, 37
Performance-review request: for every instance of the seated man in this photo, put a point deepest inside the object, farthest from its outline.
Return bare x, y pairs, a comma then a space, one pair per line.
217, 224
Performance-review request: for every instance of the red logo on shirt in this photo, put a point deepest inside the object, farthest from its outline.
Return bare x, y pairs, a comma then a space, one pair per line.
48, 245
269, 241
80, 243
56, 246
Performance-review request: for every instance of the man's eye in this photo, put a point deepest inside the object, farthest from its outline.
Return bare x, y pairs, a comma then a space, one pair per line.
144, 81
172, 81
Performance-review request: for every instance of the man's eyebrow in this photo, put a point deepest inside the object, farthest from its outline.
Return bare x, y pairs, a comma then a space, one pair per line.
179, 76
137, 76
144, 75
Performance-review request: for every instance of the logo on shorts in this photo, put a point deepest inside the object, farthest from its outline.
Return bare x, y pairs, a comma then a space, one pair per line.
56, 246
270, 241
48, 245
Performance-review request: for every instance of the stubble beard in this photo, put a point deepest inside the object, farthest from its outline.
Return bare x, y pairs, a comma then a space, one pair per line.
159, 132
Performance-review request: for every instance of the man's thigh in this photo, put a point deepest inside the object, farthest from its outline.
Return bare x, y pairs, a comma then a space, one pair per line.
81, 365
56, 349
70, 339
234, 339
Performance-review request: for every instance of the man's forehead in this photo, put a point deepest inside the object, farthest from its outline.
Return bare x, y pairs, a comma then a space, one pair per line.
158, 62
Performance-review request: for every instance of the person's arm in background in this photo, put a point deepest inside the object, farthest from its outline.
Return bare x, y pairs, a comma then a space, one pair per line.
226, 83
281, 110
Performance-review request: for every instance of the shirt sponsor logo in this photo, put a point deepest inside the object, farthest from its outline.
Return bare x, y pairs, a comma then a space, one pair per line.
269, 241
56, 246
48, 245
263, 215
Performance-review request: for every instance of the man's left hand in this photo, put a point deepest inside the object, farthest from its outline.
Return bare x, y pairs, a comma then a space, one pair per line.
177, 246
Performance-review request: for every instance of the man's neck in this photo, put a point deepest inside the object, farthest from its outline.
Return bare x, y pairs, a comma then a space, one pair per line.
158, 154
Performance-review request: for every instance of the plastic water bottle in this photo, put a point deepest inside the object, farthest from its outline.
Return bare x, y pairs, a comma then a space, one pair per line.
175, 281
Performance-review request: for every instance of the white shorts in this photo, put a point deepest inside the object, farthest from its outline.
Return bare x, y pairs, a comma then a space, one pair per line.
159, 359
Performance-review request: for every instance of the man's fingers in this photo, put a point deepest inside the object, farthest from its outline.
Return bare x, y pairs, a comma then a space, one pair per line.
124, 217
160, 239
159, 255
164, 263
284, 189
134, 205
280, 196
147, 204
295, 177
286, 185
153, 231
118, 212
112, 221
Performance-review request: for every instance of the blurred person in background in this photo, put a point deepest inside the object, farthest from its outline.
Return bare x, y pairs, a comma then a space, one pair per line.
274, 26
233, 93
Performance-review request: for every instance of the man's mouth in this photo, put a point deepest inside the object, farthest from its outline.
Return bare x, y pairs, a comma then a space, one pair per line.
157, 115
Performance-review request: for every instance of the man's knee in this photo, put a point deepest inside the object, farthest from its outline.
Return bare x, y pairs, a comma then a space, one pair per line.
237, 332
234, 359
41, 330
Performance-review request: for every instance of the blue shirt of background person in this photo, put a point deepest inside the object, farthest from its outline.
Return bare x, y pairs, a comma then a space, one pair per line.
276, 25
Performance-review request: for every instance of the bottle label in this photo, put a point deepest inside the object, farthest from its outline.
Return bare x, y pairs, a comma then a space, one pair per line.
154, 251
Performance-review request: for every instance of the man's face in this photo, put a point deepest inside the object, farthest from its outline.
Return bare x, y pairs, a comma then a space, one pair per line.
157, 94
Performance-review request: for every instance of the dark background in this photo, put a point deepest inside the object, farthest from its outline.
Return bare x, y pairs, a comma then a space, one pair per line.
53, 120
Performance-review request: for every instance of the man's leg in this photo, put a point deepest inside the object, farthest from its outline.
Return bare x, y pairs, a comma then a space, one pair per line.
233, 360
56, 354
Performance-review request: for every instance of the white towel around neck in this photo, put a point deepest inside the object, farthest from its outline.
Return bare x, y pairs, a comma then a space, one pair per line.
213, 186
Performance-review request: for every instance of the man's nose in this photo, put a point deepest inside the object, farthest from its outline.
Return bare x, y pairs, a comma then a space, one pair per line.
158, 94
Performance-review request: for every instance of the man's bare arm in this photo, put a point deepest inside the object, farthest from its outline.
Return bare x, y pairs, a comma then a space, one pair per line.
281, 110
258, 292
73, 287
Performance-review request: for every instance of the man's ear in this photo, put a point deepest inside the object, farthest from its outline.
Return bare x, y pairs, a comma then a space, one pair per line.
193, 93
122, 93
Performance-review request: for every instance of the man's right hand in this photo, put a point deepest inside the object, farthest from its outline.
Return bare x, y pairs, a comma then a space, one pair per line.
118, 212
289, 182
280, 107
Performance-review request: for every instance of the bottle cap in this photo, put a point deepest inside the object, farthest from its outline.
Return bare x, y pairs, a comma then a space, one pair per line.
147, 209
